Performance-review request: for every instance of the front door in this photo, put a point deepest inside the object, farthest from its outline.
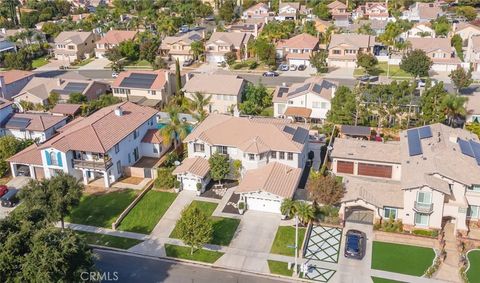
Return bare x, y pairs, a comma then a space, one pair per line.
147, 172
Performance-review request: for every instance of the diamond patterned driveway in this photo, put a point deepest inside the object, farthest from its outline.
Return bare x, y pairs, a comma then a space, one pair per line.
324, 244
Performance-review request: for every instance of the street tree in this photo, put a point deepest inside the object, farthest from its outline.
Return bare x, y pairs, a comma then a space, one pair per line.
149, 50
367, 61
416, 63
326, 190
454, 107
343, 107
115, 56
227, 10
130, 49
319, 61
461, 79
195, 228
219, 166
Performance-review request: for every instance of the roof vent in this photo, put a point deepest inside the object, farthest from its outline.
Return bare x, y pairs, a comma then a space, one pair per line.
424, 158
119, 111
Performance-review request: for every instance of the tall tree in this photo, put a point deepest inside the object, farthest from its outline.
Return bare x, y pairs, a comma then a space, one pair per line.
198, 49
454, 107
304, 211
326, 190
198, 104
321, 11
367, 61
417, 63
175, 130
431, 104
195, 228
178, 77
461, 79
441, 26
219, 166
9, 146
343, 107
319, 61
457, 43
255, 99
227, 10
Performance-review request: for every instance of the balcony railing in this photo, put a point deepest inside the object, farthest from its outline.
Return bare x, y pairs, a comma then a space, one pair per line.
93, 164
423, 207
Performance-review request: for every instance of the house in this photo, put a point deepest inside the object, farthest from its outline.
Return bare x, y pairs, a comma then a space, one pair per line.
419, 30
288, 11
38, 89
372, 11
259, 10
472, 55
343, 49
221, 43
272, 153
473, 108
225, 91
297, 50
117, 138
29, 36
66, 109
147, 88
12, 82
36, 126
307, 101
378, 26
178, 46
252, 26
112, 39
423, 12
321, 26
337, 7
428, 178
74, 45
439, 50
465, 31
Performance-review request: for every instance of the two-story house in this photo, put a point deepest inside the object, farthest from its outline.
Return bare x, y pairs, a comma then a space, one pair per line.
298, 49
439, 50
74, 45
221, 43
259, 10
12, 82
473, 52
112, 39
423, 12
179, 46
225, 91
343, 49
340, 15
419, 30
272, 153
372, 11
36, 126
95, 147
147, 88
428, 178
288, 11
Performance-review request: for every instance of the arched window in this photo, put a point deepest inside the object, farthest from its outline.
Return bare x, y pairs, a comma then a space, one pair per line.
53, 158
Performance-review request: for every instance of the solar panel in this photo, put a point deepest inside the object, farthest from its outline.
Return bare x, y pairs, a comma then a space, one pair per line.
414, 144
143, 76
476, 150
138, 80
317, 88
300, 89
300, 135
282, 91
465, 148
75, 87
17, 122
425, 132
289, 130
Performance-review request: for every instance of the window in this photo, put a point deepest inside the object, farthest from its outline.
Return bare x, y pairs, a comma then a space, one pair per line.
323, 105
421, 219
390, 212
337, 52
475, 188
282, 155
135, 153
198, 147
251, 156
135, 134
290, 156
316, 104
222, 149
117, 148
473, 211
273, 154
424, 197
119, 167
53, 159
155, 149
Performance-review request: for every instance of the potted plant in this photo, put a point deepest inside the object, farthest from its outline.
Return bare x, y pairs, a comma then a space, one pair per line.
241, 207
177, 186
199, 188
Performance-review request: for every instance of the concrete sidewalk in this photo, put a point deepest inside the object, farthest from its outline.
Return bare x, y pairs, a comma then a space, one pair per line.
105, 231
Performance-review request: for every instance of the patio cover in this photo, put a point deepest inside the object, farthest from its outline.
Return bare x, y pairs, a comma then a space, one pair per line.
298, 112
355, 130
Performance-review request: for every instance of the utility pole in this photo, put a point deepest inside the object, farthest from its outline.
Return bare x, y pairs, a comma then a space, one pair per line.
295, 267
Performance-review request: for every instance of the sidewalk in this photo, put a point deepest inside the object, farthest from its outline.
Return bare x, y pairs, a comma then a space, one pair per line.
105, 231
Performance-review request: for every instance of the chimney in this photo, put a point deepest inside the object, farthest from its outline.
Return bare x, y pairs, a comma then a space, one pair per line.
119, 111
59, 82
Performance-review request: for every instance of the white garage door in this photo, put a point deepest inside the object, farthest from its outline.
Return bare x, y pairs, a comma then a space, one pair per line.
298, 62
189, 184
265, 205
342, 64
215, 58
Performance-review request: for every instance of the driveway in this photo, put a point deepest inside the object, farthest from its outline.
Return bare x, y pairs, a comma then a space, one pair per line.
346, 73
251, 244
53, 65
97, 64
17, 183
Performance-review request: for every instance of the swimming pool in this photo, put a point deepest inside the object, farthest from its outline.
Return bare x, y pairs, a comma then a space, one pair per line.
161, 125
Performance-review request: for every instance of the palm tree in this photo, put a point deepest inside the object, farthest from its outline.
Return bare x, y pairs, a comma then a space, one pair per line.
305, 212
198, 104
175, 130
197, 48
288, 207
454, 106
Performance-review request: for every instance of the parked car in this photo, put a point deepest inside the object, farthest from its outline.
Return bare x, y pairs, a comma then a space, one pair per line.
355, 245
114, 75
367, 78
421, 83
302, 67
10, 199
187, 63
3, 190
23, 171
270, 74
222, 64
283, 67
293, 67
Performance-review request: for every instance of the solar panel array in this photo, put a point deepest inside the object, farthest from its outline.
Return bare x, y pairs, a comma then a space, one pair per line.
139, 80
425, 132
414, 136
317, 88
300, 135
282, 91
72, 88
300, 89
18, 123
470, 148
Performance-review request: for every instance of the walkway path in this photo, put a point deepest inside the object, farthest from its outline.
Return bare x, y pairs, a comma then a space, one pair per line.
448, 270
106, 231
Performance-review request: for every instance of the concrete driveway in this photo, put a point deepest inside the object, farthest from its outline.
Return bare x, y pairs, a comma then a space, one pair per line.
97, 64
340, 73
53, 65
17, 183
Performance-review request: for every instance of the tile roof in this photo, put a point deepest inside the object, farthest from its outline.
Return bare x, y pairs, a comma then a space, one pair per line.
152, 136
157, 84
66, 108
388, 152
303, 40
30, 155
187, 38
295, 5
352, 39
196, 165
37, 122
228, 38
75, 37
103, 128
336, 4
473, 103
428, 11
298, 111
257, 6
276, 134
431, 44
379, 193
463, 25
275, 178
215, 84
42, 87
117, 36
15, 75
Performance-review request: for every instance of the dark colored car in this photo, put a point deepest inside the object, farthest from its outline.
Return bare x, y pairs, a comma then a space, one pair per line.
3, 190
188, 62
367, 78
10, 199
270, 74
302, 67
355, 245
23, 171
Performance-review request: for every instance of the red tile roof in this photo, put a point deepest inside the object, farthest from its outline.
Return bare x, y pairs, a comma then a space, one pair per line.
14, 75
152, 136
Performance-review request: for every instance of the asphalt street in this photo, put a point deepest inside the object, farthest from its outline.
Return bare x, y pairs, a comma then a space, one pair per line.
124, 267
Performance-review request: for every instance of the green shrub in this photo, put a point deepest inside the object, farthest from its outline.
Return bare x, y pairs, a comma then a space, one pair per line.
239, 66
428, 233
165, 179
253, 65
392, 225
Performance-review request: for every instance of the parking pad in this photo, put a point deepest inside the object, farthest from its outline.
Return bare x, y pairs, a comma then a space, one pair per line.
324, 244
319, 274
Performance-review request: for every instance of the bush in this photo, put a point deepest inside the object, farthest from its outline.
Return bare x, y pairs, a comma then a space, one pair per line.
171, 158
328, 214
392, 225
165, 180
241, 205
428, 233
239, 66
253, 65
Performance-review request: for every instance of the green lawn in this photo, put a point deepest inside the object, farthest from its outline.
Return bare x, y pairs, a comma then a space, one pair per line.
286, 236
382, 68
101, 210
37, 63
223, 228
405, 259
148, 211
140, 64
198, 255
280, 268
384, 280
109, 241
85, 62
473, 272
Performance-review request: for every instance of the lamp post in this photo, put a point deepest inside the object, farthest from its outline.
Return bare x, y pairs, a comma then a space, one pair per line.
295, 266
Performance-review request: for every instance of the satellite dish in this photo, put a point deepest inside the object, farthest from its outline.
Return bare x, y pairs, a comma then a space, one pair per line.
176, 163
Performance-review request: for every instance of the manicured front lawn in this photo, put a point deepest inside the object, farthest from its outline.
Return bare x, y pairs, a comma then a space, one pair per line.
280, 268
109, 241
286, 237
382, 70
148, 211
85, 62
223, 228
473, 272
37, 63
198, 255
384, 280
101, 210
405, 259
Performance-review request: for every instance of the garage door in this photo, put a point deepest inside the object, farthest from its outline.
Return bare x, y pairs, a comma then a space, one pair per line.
189, 184
359, 215
375, 170
342, 64
345, 167
298, 62
215, 58
265, 205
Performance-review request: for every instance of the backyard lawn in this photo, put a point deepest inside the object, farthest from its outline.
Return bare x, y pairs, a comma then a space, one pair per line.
140, 64
223, 228
286, 236
198, 255
148, 211
37, 63
101, 210
473, 272
384, 280
280, 268
405, 259
109, 241
382, 68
